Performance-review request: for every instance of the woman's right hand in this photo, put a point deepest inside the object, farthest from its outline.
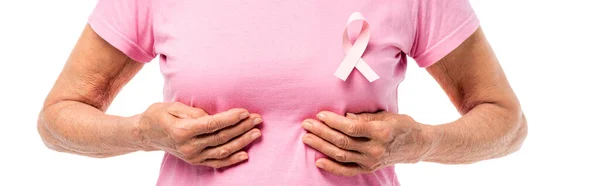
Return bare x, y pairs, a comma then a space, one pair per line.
196, 137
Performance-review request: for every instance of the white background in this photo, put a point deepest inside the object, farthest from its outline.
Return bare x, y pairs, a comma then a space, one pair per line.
549, 50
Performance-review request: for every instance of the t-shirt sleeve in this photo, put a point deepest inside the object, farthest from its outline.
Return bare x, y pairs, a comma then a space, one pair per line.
126, 25
441, 26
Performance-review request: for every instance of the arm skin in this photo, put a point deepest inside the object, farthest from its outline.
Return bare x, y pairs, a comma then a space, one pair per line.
72, 118
492, 123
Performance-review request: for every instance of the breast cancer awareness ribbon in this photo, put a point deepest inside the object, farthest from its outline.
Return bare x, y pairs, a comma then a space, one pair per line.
355, 51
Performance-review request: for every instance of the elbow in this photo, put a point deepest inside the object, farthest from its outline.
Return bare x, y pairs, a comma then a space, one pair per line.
519, 134
48, 138
514, 140
55, 143
45, 135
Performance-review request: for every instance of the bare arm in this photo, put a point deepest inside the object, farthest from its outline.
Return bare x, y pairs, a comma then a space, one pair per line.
492, 124
72, 118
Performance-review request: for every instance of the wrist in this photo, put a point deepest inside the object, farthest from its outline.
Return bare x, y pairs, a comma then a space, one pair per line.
432, 136
134, 133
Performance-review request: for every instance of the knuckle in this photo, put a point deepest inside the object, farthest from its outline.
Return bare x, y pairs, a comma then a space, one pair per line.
340, 156
385, 134
377, 152
201, 144
178, 136
342, 141
194, 113
352, 128
165, 118
212, 125
404, 118
404, 127
187, 153
222, 153
220, 138
201, 112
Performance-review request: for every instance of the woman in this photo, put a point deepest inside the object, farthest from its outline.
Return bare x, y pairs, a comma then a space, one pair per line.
265, 92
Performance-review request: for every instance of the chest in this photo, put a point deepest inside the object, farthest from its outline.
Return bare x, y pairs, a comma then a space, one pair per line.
271, 50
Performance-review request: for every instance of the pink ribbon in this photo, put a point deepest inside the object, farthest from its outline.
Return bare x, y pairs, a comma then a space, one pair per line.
355, 51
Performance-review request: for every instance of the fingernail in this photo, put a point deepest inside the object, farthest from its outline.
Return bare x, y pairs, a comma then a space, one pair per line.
306, 139
321, 116
306, 126
257, 121
255, 135
319, 163
244, 115
243, 157
351, 116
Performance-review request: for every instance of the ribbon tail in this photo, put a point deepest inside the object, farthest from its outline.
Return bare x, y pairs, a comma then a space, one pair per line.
347, 66
344, 70
366, 70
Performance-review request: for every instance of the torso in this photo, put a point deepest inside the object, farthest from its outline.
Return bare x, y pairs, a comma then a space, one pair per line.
277, 59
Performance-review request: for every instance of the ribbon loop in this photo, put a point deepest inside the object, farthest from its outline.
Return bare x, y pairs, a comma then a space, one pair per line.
355, 51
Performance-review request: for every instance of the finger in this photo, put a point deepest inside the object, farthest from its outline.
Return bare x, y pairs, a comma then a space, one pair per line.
331, 150
230, 160
367, 116
221, 120
333, 136
338, 168
234, 145
225, 135
344, 124
183, 111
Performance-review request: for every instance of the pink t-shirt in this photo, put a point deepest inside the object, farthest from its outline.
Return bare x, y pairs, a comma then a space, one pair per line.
278, 58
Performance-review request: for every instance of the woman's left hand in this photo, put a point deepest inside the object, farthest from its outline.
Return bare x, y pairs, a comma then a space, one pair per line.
366, 142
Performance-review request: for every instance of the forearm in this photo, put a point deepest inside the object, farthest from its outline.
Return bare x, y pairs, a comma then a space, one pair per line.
78, 128
487, 131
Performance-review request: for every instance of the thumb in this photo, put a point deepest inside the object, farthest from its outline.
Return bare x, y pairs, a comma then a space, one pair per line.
183, 111
366, 117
